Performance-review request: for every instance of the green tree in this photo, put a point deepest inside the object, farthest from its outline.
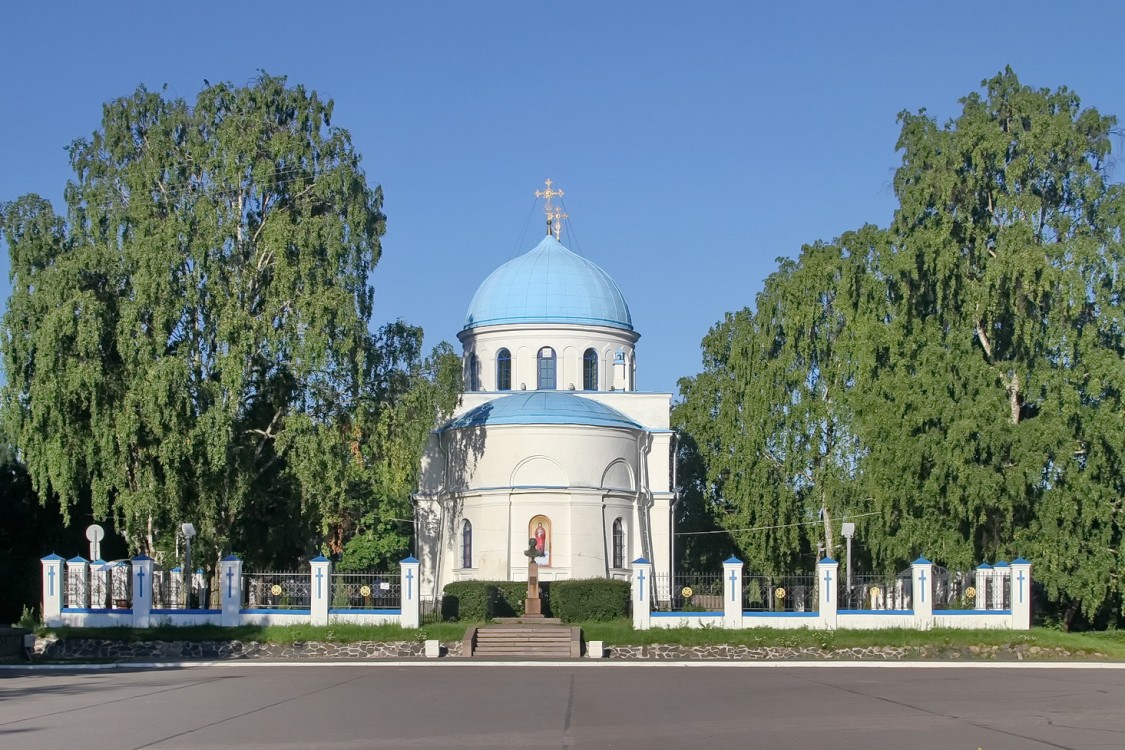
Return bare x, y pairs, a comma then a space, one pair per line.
191, 342
1004, 371
770, 411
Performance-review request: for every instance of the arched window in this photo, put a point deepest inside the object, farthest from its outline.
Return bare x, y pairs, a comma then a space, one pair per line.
618, 544
590, 370
503, 370
474, 372
546, 369
466, 544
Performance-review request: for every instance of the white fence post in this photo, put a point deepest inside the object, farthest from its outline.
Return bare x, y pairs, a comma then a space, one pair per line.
1021, 594
828, 591
409, 601
732, 593
78, 582
320, 586
230, 588
142, 591
642, 593
922, 596
52, 589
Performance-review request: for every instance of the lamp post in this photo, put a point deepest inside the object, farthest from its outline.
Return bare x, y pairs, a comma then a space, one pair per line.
188, 531
848, 530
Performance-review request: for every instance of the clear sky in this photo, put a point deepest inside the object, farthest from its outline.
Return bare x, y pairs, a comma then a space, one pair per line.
695, 142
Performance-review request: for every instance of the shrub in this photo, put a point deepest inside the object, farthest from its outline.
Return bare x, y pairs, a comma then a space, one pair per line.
590, 600
475, 601
470, 601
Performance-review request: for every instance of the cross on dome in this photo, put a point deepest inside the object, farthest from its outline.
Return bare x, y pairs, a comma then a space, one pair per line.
554, 214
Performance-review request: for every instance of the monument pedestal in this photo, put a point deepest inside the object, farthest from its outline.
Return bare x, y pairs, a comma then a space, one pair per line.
532, 605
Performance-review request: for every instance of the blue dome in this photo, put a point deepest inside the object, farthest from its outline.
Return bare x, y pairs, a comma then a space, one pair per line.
543, 407
549, 284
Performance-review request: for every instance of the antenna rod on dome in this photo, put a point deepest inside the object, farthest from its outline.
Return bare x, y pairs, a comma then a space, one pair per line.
554, 214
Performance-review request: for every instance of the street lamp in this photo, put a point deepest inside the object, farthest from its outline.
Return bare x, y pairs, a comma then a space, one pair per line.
848, 530
188, 531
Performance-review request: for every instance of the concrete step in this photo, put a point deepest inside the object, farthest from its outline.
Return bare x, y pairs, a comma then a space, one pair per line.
528, 641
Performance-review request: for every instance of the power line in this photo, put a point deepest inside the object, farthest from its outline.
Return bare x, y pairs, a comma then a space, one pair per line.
767, 528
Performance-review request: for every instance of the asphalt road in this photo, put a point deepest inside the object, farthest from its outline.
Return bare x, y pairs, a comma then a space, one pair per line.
586, 705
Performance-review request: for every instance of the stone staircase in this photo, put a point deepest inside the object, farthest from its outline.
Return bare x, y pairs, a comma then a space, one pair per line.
523, 639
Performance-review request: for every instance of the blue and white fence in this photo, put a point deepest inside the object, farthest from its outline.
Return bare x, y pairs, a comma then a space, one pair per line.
136, 593
923, 597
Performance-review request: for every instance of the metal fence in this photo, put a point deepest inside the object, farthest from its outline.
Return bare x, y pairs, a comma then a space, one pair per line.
879, 592
779, 593
277, 590
954, 589
366, 591
688, 592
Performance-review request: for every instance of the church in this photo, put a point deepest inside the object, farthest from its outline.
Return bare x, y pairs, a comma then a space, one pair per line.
552, 444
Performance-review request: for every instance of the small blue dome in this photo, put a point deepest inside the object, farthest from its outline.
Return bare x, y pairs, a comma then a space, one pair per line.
549, 284
543, 407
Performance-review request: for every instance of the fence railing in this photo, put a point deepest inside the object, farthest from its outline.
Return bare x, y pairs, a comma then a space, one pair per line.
870, 592
277, 590
366, 591
766, 593
688, 592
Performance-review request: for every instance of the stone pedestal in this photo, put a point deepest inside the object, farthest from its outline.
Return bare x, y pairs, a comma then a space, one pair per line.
532, 605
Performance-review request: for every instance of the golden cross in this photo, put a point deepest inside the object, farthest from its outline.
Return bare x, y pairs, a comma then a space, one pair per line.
554, 215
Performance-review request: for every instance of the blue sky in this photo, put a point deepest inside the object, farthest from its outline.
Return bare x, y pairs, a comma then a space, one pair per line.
696, 142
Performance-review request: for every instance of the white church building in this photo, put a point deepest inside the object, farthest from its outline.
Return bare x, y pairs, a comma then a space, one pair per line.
552, 441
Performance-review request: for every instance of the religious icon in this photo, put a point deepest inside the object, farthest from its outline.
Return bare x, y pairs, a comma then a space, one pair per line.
539, 531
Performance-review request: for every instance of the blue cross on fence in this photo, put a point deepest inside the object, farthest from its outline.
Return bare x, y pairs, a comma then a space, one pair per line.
230, 583
641, 581
1020, 578
733, 581
319, 578
50, 581
827, 585
409, 585
141, 583
922, 581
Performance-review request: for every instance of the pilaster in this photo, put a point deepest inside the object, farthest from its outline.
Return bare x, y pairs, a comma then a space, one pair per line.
410, 603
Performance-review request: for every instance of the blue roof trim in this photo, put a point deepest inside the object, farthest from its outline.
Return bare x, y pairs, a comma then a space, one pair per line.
641, 561
294, 612
232, 558
174, 612
875, 612
387, 612
413, 559
50, 558
320, 559
944, 612
543, 407
829, 561
549, 284
732, 560
984, 566
1021, 561
141, 558
1000, 564
76, 559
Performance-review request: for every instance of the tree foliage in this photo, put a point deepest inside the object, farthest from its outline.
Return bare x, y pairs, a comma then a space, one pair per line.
190, 343
977, 356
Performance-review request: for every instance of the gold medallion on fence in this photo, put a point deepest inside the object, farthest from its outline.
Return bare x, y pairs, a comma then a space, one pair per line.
365, 590
874, 591
779, 593
970, 592
686, 592
275, 589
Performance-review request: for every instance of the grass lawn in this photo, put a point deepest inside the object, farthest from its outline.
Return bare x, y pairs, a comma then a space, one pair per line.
1053, 643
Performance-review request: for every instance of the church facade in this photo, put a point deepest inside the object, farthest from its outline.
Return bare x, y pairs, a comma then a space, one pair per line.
552, 444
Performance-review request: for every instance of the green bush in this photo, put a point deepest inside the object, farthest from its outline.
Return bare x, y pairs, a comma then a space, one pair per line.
477, 601
590, 600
